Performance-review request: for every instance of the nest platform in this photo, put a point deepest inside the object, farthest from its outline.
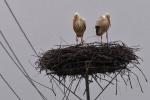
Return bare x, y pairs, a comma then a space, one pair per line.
88, 58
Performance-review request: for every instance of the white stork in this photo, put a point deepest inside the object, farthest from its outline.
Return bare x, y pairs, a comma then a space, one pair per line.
79, 26
102, 25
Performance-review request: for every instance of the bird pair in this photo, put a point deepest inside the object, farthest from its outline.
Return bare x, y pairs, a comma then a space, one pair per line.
102, 25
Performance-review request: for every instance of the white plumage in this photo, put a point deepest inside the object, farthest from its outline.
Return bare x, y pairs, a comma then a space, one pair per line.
102, 25
79, 26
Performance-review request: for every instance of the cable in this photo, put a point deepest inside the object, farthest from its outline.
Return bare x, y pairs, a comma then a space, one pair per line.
10, 87
21, 65
20, 27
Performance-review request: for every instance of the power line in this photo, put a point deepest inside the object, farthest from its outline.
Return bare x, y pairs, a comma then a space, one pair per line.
23, 32
19, 25
24, 71
21, 69
10, 87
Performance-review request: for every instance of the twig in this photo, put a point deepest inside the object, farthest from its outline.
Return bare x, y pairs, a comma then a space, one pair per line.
56, 84
77, 85
123, 79
137, 80
141, 72
105, 80
107, 85
70, 89
67, 88
97, 82
65, 92
129, 79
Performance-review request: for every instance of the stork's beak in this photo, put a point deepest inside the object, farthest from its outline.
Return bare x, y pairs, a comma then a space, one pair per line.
76, 15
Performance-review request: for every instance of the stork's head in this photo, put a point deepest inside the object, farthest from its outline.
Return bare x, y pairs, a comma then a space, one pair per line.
107, 15
76, 15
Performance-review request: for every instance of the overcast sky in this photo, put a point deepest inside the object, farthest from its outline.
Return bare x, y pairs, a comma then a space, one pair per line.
49, 22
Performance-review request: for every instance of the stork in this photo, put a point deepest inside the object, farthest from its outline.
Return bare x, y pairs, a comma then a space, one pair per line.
102, 25
79, 26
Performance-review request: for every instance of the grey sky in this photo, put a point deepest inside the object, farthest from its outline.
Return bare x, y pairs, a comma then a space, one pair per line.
48, 22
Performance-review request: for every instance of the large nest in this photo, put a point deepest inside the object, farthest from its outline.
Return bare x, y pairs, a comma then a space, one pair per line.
89, 58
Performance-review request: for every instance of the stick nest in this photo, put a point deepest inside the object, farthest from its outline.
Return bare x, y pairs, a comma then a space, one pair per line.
87, 58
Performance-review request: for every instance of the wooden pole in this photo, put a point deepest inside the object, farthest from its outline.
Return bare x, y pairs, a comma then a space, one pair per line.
87, 86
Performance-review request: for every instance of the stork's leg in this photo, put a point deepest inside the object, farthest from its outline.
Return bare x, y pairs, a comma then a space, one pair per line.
101, 38
82, 40
107, 36
76, 40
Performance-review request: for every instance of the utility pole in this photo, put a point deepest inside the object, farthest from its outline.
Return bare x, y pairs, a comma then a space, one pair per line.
87, 86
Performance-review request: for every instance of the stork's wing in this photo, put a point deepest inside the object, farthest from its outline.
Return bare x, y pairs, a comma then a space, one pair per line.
83, 24
80, 27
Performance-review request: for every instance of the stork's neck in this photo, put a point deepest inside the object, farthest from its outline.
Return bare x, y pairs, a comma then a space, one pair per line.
108, 18
109, 21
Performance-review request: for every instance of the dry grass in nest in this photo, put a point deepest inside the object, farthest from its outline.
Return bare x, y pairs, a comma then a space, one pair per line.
90, 58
